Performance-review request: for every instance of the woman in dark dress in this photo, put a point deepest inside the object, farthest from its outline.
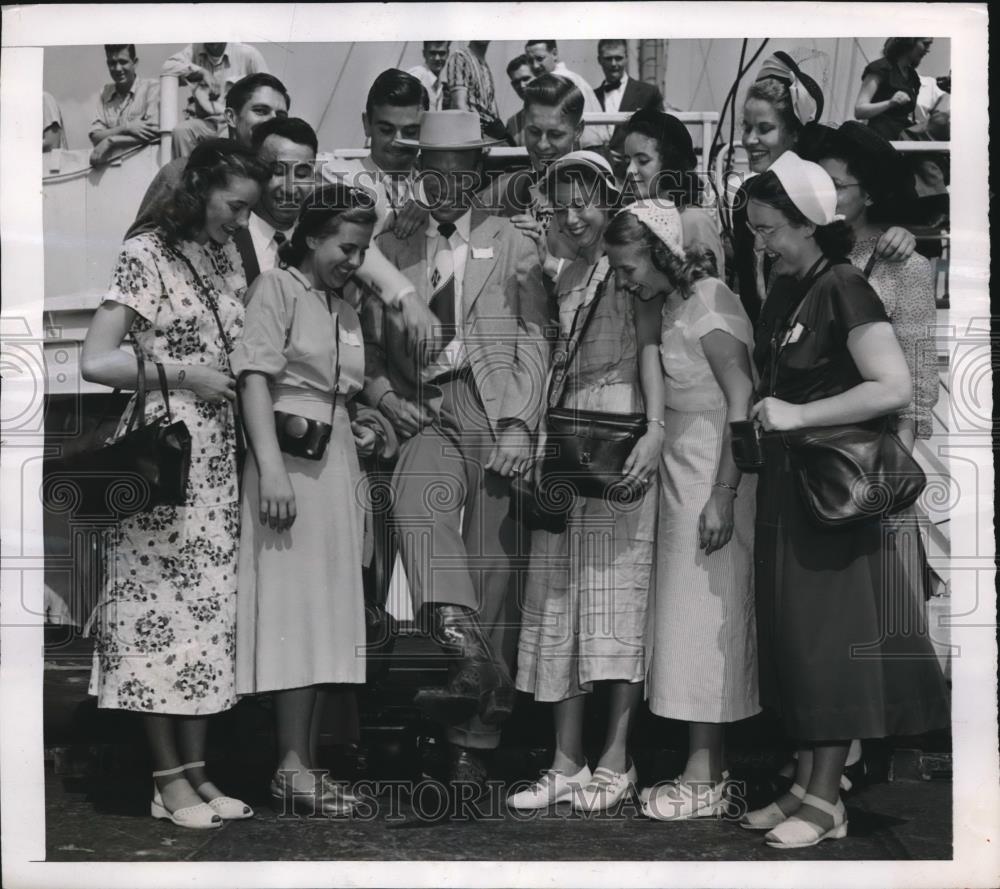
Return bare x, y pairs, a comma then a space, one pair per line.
829, 662
889, 86
779, 114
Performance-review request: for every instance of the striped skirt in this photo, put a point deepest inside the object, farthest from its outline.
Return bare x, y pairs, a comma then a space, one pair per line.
701, 653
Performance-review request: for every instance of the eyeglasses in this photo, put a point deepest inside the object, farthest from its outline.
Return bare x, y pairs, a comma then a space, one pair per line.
765, 233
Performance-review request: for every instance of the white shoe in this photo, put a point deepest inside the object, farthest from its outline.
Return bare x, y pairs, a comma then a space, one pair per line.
228, 808
199, 817
646, 791
771, 815
798, 833
551, 788
605, 789
681, 800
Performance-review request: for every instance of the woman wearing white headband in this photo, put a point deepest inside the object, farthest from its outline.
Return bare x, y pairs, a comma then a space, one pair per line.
820, 592
779, 108
584, 614
701, 652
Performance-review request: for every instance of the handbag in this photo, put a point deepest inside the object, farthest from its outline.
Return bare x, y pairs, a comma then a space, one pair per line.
146, 467
852, 472
587, 450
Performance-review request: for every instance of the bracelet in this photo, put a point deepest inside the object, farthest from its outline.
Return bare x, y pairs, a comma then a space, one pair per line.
658, 422
727, 486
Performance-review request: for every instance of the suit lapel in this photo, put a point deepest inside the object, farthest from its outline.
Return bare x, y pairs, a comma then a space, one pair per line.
599, 92
630, 101
484, 253
244, 244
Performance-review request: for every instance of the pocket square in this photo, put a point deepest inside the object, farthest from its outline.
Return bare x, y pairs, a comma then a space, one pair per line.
482, 252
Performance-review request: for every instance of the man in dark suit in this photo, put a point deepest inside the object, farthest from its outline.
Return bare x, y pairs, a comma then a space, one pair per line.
619, 92
467, 421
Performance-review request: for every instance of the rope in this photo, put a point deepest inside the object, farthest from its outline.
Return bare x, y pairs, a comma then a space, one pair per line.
336, 84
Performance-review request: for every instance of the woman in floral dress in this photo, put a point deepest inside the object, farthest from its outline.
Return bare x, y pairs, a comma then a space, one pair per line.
165, 625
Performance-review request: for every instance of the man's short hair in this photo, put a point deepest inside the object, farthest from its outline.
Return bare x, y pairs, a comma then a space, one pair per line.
550, 45
427, 43
554, 91
294, 129
521, 61
241, 91
112, 49
601, 44
397, 88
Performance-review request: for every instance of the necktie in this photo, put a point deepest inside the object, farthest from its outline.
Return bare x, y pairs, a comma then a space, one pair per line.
443, 284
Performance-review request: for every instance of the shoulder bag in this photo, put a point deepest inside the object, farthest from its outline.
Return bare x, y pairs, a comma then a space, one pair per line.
588, 449
146, 467
852, 472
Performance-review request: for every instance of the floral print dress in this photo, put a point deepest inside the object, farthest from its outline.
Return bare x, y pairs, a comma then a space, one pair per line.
165, 626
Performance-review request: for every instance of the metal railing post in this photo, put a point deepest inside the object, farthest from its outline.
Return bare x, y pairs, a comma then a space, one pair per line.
169, 87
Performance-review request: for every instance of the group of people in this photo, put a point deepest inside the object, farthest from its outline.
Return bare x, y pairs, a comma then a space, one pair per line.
386, 307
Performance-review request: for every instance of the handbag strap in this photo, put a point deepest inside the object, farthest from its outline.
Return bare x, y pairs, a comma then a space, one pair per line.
786, 329
870, 265
162, 374
139, 405
557, 382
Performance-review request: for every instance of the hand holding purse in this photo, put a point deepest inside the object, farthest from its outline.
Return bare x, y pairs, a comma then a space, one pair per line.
146, 467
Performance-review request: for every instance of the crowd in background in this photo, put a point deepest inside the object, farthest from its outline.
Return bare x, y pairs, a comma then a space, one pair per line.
372, 309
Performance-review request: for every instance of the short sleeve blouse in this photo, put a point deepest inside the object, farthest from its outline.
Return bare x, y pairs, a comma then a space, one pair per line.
297, 338
889, 124
815, 363
691, 384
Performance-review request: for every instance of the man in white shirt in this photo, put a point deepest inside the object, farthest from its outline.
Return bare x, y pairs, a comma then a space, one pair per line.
544, 58
429, 73
211, 69
128, 110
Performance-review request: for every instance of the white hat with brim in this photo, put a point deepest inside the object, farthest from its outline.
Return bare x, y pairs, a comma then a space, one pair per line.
587, 159
448, 131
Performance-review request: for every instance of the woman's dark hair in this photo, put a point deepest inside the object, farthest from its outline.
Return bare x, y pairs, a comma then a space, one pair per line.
625, 228
834, 240
397, 88
896, 47
212, 165
677, 178
326, 209
881, 171
555, 91
593, 184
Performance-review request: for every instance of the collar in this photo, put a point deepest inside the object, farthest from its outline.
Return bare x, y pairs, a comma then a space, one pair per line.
264, 230
560, 67
463, 227
111, 91
614, 89
199, 49
298, 276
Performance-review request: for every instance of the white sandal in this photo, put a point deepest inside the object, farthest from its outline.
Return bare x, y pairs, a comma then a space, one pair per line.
680, 801
199, 817
798, 833
228, 808
771, 815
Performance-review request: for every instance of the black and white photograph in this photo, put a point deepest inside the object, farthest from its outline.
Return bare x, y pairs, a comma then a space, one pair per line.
440, 461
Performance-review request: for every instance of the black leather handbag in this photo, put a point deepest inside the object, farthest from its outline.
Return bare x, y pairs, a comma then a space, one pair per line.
587, 450
146, 467
848, 473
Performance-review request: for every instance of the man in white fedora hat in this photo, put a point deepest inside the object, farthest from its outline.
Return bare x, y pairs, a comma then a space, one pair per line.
467, 420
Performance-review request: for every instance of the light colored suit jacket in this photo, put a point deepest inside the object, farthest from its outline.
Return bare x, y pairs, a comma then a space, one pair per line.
503, 323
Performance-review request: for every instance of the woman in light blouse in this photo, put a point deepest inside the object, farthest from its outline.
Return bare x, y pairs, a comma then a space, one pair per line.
300, 609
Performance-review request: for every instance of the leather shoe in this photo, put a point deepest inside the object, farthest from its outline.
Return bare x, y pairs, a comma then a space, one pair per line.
325, 799
478, 681
467, 766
